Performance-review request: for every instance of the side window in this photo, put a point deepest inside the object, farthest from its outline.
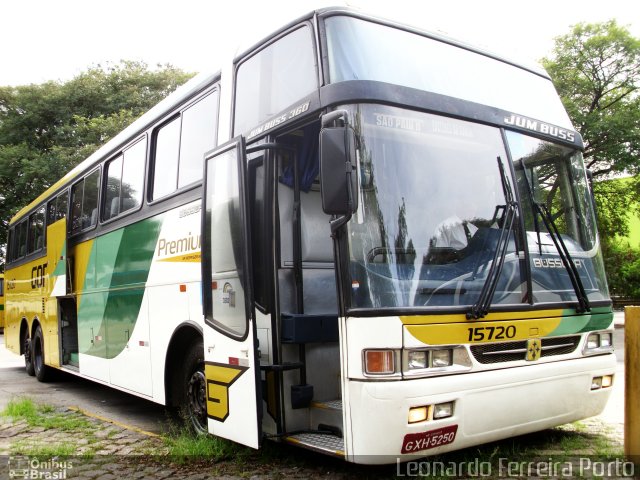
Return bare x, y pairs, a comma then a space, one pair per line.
84, 202
36, 231
125, 181
20, 238
198, 136
180, 146
274, 79
167, 149
1, 287
57, 208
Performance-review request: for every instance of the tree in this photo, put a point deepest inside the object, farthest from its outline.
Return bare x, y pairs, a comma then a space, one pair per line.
596, 70
47, 129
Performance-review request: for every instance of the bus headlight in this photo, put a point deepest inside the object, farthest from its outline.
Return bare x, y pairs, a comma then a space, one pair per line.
417, 359
442, 358
435, 361
598, 342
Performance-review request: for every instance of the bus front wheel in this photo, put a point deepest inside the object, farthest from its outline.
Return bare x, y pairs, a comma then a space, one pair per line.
194, 386
42, 371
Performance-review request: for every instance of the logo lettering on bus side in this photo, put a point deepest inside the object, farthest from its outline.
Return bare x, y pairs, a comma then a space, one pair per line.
37, 276
220, 377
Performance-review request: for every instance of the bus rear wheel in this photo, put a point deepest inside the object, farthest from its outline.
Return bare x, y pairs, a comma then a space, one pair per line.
195, 389
28, 356
42, 371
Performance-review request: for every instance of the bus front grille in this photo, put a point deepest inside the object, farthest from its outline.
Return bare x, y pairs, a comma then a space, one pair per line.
513, 351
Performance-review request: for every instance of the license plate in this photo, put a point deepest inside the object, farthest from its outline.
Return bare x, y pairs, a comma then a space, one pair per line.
415, 442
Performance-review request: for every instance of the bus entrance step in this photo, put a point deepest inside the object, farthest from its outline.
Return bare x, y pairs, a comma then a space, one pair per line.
319, 442
328, 413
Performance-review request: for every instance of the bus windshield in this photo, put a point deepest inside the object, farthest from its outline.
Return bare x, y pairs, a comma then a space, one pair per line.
432, 206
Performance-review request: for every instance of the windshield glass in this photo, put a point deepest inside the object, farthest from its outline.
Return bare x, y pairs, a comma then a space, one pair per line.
553, 176
363, 50
431, 205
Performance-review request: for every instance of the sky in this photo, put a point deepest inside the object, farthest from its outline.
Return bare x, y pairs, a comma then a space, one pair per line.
43, 40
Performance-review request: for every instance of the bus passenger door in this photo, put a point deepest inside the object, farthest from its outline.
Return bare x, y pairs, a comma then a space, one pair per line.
231, 369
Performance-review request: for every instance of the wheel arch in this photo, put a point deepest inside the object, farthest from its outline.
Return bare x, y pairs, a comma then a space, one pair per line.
25, 332
185, 334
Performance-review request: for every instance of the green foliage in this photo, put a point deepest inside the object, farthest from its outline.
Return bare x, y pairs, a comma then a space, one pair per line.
623, 264
615, 199
596, 70
47, 129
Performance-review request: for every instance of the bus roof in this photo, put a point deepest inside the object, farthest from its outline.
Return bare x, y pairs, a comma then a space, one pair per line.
202, 80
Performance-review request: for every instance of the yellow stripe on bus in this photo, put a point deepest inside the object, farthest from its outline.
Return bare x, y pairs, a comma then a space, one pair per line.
494, 316
483, 332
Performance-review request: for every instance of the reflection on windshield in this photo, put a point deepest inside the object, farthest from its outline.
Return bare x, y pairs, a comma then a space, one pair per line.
553, 177
430, 212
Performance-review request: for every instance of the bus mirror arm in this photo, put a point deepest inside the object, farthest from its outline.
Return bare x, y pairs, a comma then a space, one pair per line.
338, 172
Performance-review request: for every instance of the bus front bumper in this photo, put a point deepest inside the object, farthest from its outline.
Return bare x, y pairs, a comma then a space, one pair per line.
487, 406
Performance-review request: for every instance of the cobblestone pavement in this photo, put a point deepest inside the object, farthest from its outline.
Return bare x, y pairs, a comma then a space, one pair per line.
96, 449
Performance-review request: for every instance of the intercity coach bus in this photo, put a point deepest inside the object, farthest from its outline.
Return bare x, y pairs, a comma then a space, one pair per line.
357, 237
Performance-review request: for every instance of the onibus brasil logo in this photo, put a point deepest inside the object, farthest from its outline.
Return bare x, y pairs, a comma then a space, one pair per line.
34, 468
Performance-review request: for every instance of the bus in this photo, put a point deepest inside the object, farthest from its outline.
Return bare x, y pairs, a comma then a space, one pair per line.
357, 237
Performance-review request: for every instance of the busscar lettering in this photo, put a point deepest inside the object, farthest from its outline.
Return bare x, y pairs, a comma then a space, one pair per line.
555, 263
540, 127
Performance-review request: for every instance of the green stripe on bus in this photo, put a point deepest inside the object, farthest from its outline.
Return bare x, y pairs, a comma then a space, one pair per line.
122, 260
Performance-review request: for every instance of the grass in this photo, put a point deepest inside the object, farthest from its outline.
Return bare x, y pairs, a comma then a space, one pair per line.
184, 445
44, 416
33, 449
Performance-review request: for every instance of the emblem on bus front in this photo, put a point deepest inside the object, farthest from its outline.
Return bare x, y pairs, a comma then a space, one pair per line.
534, 349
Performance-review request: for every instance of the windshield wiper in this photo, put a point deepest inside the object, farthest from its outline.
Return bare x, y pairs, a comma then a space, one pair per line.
482, 306
561, 247
565, 256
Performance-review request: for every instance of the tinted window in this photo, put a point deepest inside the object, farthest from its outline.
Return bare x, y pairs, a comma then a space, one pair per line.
112, 193
166, 158
36, 231
125, 180
361, 50
84, 202
20, 239
198, 137
274, 79
180, 146
57, 208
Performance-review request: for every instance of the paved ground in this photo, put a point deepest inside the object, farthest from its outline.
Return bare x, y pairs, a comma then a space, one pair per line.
117, 436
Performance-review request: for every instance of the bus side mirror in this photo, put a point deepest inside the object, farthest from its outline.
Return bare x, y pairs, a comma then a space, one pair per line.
338, 173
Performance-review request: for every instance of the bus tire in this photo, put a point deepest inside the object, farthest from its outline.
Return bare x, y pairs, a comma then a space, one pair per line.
43, 372
28, 356
194, 388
